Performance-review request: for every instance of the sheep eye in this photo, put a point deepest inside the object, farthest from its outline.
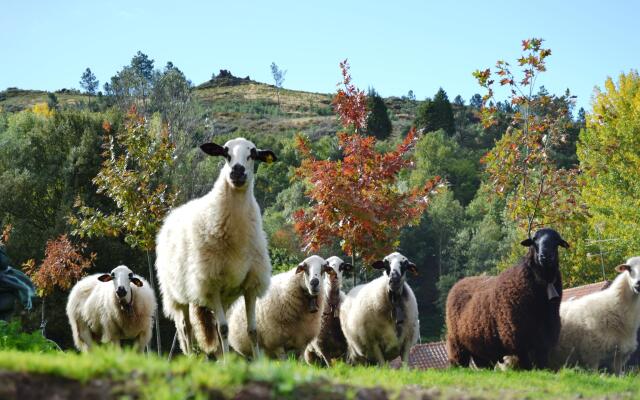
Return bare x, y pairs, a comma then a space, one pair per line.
131, 275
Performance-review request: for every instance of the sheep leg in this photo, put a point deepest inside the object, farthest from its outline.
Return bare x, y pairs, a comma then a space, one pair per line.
524, 361
405, 354
250, 307
221, 320
184, 329
458, 356
377, 352
84, 339
619, 361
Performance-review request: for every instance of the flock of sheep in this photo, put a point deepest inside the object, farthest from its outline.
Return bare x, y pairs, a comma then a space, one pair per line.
215, 279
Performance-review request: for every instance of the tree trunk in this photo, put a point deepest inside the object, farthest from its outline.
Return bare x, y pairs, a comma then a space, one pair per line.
43, 322
156, 316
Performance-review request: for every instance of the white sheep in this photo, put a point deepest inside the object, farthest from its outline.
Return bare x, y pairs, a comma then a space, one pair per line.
104, 312
599, 330
330, 343
380, 319
212, 250
288, 316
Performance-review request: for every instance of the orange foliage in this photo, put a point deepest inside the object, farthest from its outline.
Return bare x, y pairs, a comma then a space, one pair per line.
63, 265
357, 199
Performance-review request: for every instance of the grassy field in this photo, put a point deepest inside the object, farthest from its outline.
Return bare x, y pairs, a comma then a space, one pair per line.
125, 374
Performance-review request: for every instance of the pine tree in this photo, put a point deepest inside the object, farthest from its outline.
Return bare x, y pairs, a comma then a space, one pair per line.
436, 114
89, 82
378, 122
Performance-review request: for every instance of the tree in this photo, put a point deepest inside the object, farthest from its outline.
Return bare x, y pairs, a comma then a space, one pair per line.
520, 166
436, 114
278, 79
63, 265
476, 101
608, 152
89, 82
411, 96
134, 160
458, 101
378, 122
356, 200
133, 84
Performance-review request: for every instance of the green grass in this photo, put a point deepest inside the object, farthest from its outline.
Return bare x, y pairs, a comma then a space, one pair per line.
184, 377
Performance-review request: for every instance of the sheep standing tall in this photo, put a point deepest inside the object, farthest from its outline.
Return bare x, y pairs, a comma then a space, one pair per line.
288, 316
212, 250
600, 329
330, 343
513, 314
380, 319
108, 308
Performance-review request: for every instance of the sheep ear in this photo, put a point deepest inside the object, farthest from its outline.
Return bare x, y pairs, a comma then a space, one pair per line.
345, 267
378, 265
105, 278
623, 267
527, 242
413, 269
213, 149
267, 156
564, 243
302, 267
328, 270
136, 282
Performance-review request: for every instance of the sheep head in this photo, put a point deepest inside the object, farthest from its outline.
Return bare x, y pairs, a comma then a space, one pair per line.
632, 269
122, 278
340, 269
313, 269
240, 155
395, 267
543, 252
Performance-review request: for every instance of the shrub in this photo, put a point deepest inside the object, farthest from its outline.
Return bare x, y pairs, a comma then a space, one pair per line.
13, 338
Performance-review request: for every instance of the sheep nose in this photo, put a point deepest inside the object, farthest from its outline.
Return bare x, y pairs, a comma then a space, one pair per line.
314, 282
121, 292
238, 169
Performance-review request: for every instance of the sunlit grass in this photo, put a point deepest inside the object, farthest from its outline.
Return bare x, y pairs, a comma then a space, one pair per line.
184, 377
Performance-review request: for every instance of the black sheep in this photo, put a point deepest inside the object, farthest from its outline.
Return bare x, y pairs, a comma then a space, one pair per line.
513, 314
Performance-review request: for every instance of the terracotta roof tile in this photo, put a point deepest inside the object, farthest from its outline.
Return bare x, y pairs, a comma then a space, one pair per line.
579, 291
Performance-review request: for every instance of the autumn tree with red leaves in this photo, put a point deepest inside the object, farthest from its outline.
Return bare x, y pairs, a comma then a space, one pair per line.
357, 199
63, 265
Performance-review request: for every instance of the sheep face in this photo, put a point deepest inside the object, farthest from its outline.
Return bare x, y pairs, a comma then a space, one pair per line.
122, 278
395, 267
632, 269
339, 267
313, 269
543, 247
240, 155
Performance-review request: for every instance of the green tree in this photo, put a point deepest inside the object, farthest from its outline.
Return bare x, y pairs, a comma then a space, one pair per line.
89, 82
439, 155
378, 123
609, 153
133, 164
436, 114
278, 79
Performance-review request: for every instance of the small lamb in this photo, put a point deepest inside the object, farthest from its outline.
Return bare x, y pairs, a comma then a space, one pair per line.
330, 344
104, 312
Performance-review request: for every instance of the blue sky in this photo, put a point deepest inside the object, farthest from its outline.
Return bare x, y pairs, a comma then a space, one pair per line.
392, 46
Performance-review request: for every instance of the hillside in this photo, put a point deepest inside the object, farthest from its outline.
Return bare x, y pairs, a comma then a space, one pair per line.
241, 104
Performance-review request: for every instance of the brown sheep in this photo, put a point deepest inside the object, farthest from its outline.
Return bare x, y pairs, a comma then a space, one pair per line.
330, 344
514, 313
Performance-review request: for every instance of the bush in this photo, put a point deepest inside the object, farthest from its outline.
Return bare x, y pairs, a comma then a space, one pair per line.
13, 338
